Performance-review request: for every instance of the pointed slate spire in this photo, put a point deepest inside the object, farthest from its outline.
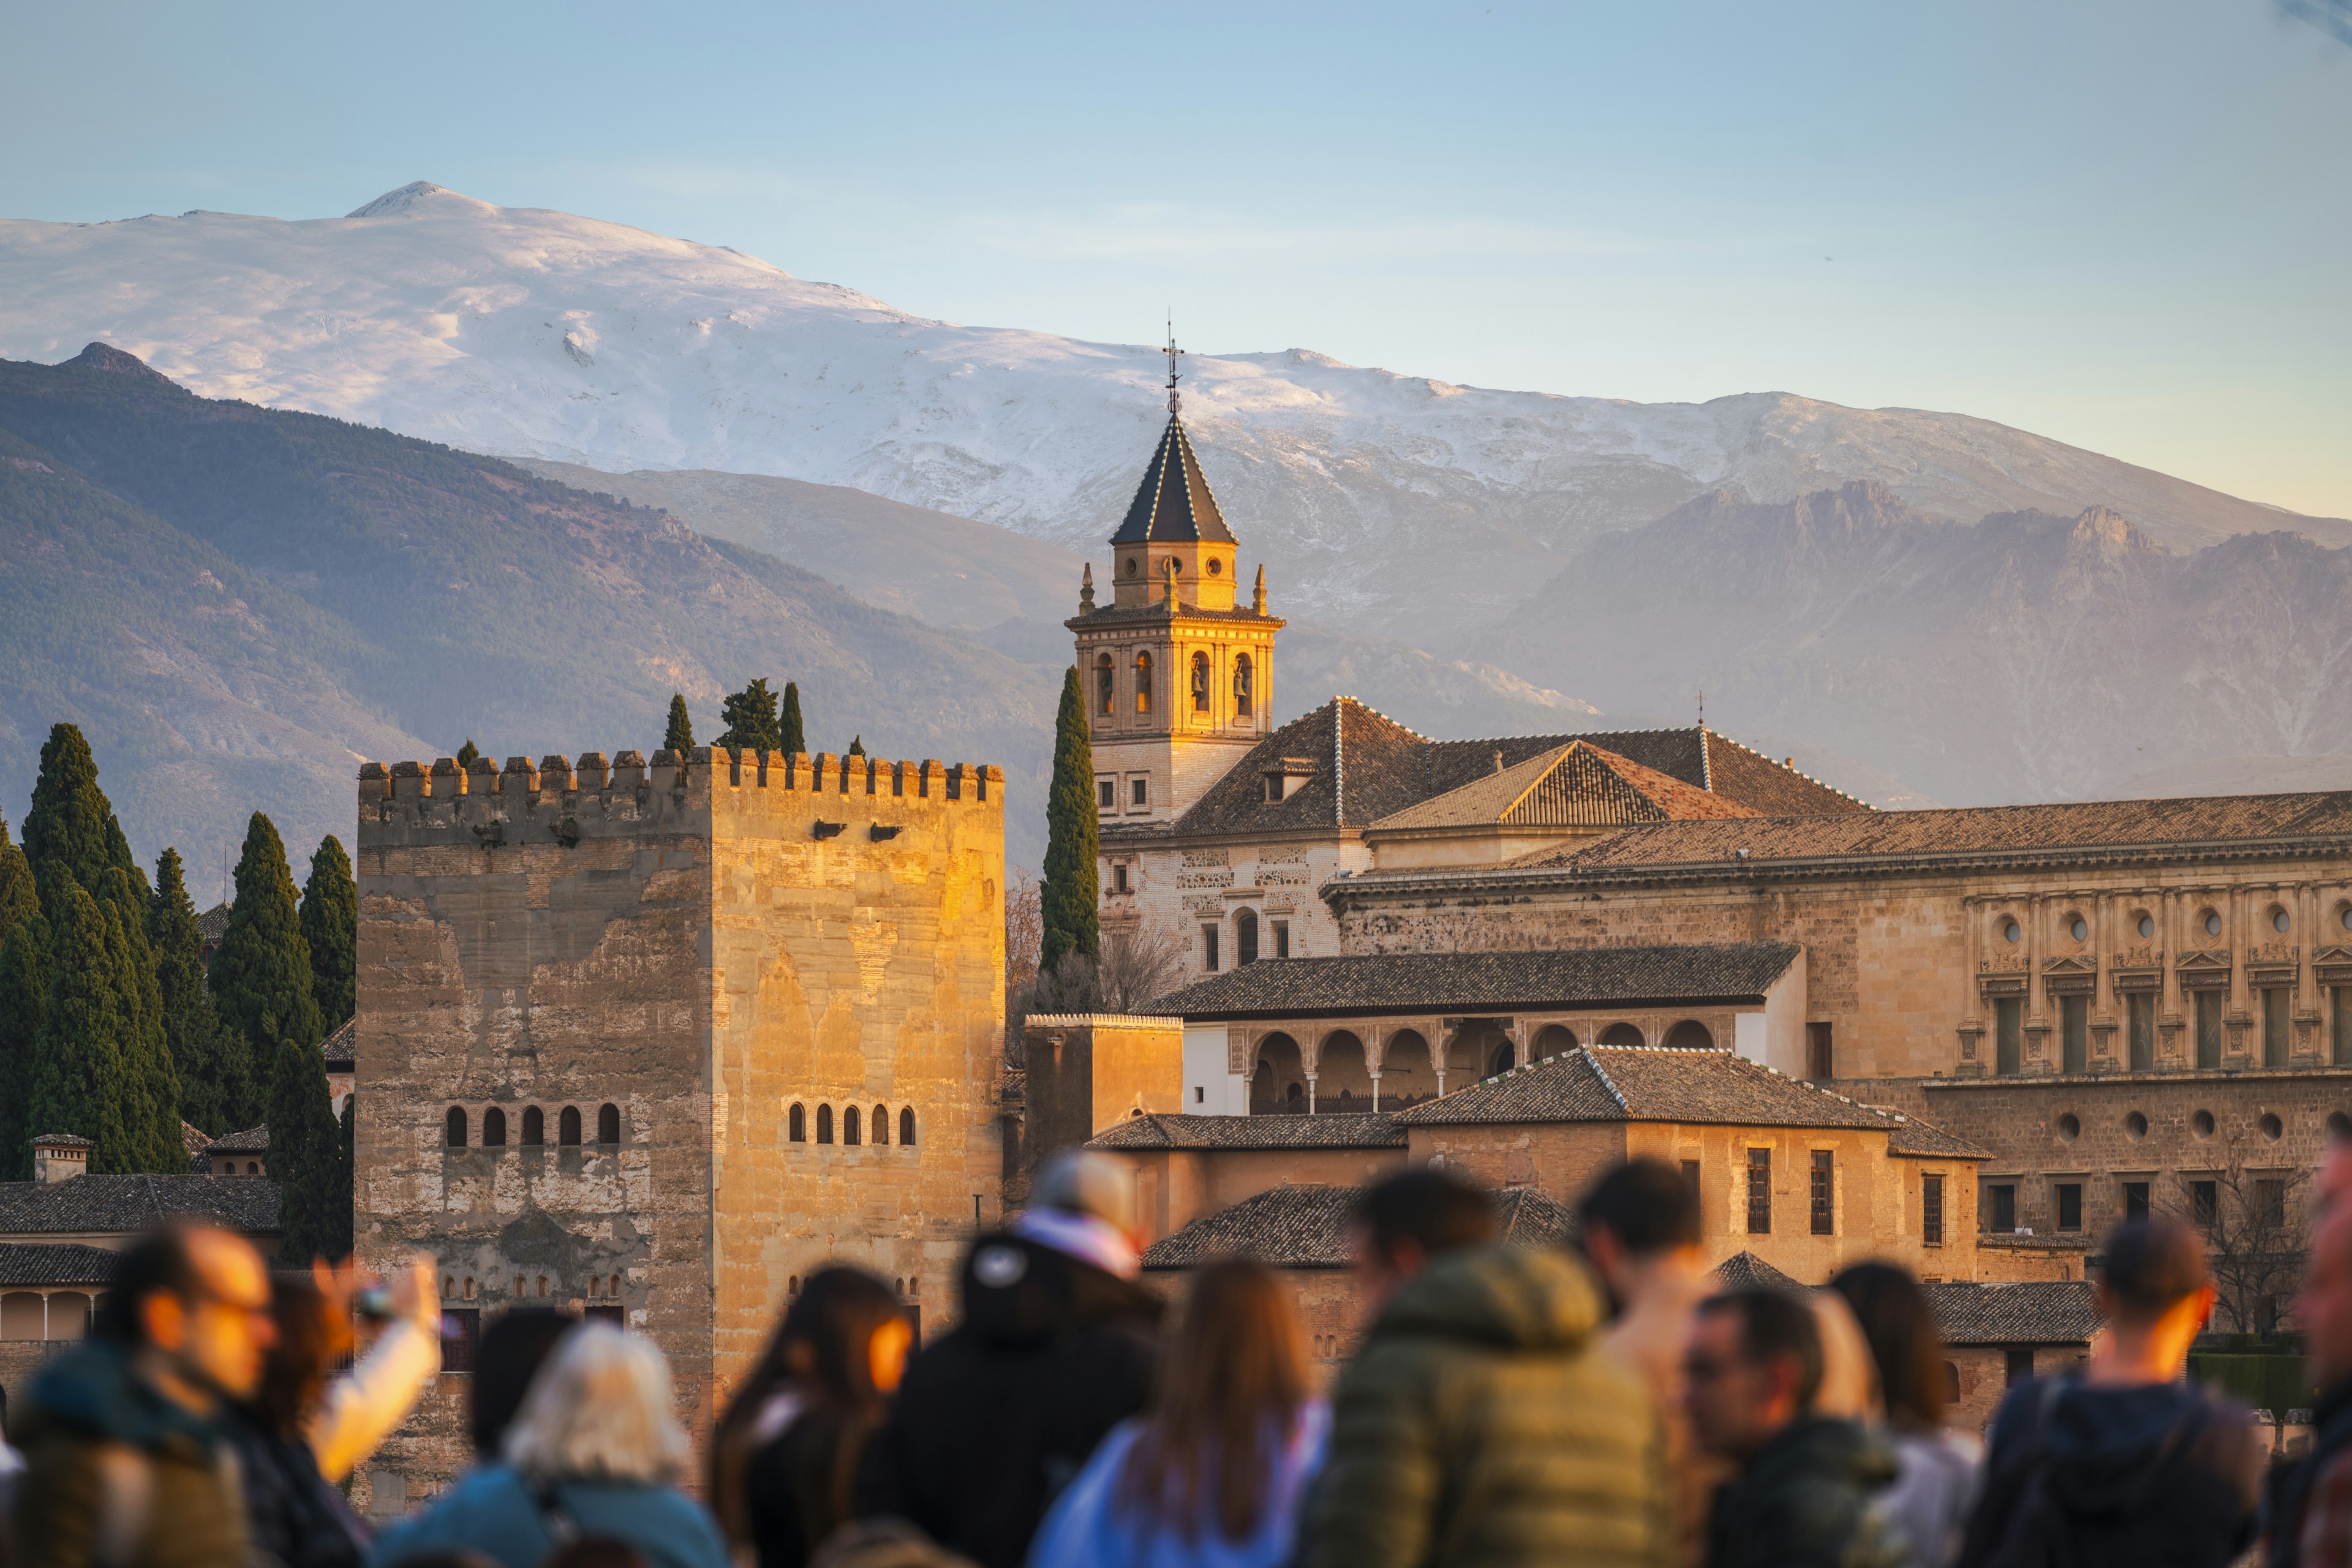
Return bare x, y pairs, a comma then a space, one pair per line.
1174, 505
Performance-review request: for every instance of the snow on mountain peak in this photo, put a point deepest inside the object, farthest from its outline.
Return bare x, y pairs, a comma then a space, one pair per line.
414, 195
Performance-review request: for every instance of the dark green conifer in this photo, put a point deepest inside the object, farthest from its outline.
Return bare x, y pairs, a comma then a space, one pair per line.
346, 1166
796, 736
305, 1152
857, 745
467, 755
24, 999
1070, 898
751, 716
77, 1079
261, 973
331, 924
70, 834
19, 901
151, 1088
679, 736
213, 1066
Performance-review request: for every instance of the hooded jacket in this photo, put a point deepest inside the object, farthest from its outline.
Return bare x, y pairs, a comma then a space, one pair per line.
1804, 1501
1480, 1425
1001, 1413
118, 1475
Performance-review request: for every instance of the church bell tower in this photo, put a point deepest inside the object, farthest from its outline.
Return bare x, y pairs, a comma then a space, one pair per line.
1179, 675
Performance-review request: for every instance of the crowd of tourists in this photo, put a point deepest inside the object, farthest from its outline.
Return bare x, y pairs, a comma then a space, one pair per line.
1503, 1406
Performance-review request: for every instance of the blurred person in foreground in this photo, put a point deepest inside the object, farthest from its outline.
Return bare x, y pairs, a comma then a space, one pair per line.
595, 1451
1479, 1423
2123, 1461
305, 1429
2308, 1521
1938, 1469
1639, 1225
1802, 1495
1056, 1347
127, 1466
1210, 1475
784, 1460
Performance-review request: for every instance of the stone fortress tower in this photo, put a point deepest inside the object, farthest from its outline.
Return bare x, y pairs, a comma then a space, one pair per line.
660, 1040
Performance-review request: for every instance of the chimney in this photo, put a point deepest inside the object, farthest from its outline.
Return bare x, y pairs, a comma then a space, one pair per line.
59, 1157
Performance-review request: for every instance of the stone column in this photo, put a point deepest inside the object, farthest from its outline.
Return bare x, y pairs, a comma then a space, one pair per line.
2102, 1014
1373, 1052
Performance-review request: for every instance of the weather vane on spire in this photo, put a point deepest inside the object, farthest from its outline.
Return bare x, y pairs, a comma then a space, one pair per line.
1173, 352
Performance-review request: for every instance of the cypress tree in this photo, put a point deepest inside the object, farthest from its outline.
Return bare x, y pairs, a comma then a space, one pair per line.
305, 1150
23, 1001
331, 924
214, 1067
750, 716
469, 754
795, 737
1070, 899
19, 901
679, 736
261, 973
78, 1080
857, 745
70, 834
346, 1167
151, 1088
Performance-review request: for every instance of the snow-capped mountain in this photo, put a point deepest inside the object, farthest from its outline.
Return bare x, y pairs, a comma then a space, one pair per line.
1393, 503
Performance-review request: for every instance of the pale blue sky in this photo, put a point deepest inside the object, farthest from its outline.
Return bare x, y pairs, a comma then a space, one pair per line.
2127, 225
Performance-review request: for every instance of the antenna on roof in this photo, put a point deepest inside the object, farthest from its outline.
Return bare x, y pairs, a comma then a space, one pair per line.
1173, 352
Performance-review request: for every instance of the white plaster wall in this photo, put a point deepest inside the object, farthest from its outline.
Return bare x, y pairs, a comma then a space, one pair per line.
1209, 1089
1748, 1037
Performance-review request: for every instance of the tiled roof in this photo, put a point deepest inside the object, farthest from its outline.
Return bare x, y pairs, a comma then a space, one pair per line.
341, 1046
212, 924
63, 1141
1306, 1226
1575, 786
1442, 982
1745, 1271
2039, 1311
1647, 1083
1318, 1132
56, 1263
193, 1140
252, 1141
123, 1204
1173, 504
1925, 1140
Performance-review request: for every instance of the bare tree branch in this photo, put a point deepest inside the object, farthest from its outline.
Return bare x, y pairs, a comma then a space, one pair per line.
2250, 1216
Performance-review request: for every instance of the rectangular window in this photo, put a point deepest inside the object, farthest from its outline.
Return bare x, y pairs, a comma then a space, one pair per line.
2017, 1367
2074, 1034
2270, 1203
1106, 793
1931, 1210
1119, 877
1821, 1063
1209, 949
2274, 1002
1244, 939
2139, 1008
1273, 786
2209, 1028
1824, 1192
2134, 1201
2339, 1044
1760, 1192
1690, 1177
2004, 1208
1282, 939
2070, 1206
2204, 1202
2007, 1034
1141, 792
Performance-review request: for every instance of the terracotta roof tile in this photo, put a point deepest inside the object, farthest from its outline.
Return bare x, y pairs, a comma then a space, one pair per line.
1745, 1271
342, 1047
1318, 1132
123, 1204
1575, 786
252, 1141
56, 1263
2040, 1311
1439, 982
1306, 1226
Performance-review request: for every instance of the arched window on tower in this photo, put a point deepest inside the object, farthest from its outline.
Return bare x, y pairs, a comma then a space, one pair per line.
494, 1128
825, 1124
882, 1124
849, 1125
1200, 683
796, 1125
1143, 683
456, 1127
1243, 695
608, 1124
534, 1126
1105, 686
907, 1127
567, 1126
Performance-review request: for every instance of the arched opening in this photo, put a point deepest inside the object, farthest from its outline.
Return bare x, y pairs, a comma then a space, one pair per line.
1466, 1054
1243, 693
1343, 1079
608, 1124
1951, 1382
1245, 936
1501, 1057
253, 1167
567, 1126
1279, 1082
456, 1127
1106, 686
534, 1126
1690, 1035
906, 1126
882, 1124
494, 1128
1405, 1074
825, 1124
849, 1125
22, 1316
796, 1125
69, 1315
1143, 683
1622, 1035
1552, 1039
1200, 683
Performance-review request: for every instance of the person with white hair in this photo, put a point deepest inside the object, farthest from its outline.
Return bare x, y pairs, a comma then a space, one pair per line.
595, 1451
1056, 1346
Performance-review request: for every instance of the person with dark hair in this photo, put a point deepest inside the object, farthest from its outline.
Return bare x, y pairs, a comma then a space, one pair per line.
514, 1346
784, 1460
126, 1465
1210, 1475
1938, 1469
1479, 1423
1802, 1496
1057, 1346
2123, 1462
2308, 1519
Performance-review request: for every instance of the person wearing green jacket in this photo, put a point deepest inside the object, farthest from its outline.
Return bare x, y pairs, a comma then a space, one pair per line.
1480, 1427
